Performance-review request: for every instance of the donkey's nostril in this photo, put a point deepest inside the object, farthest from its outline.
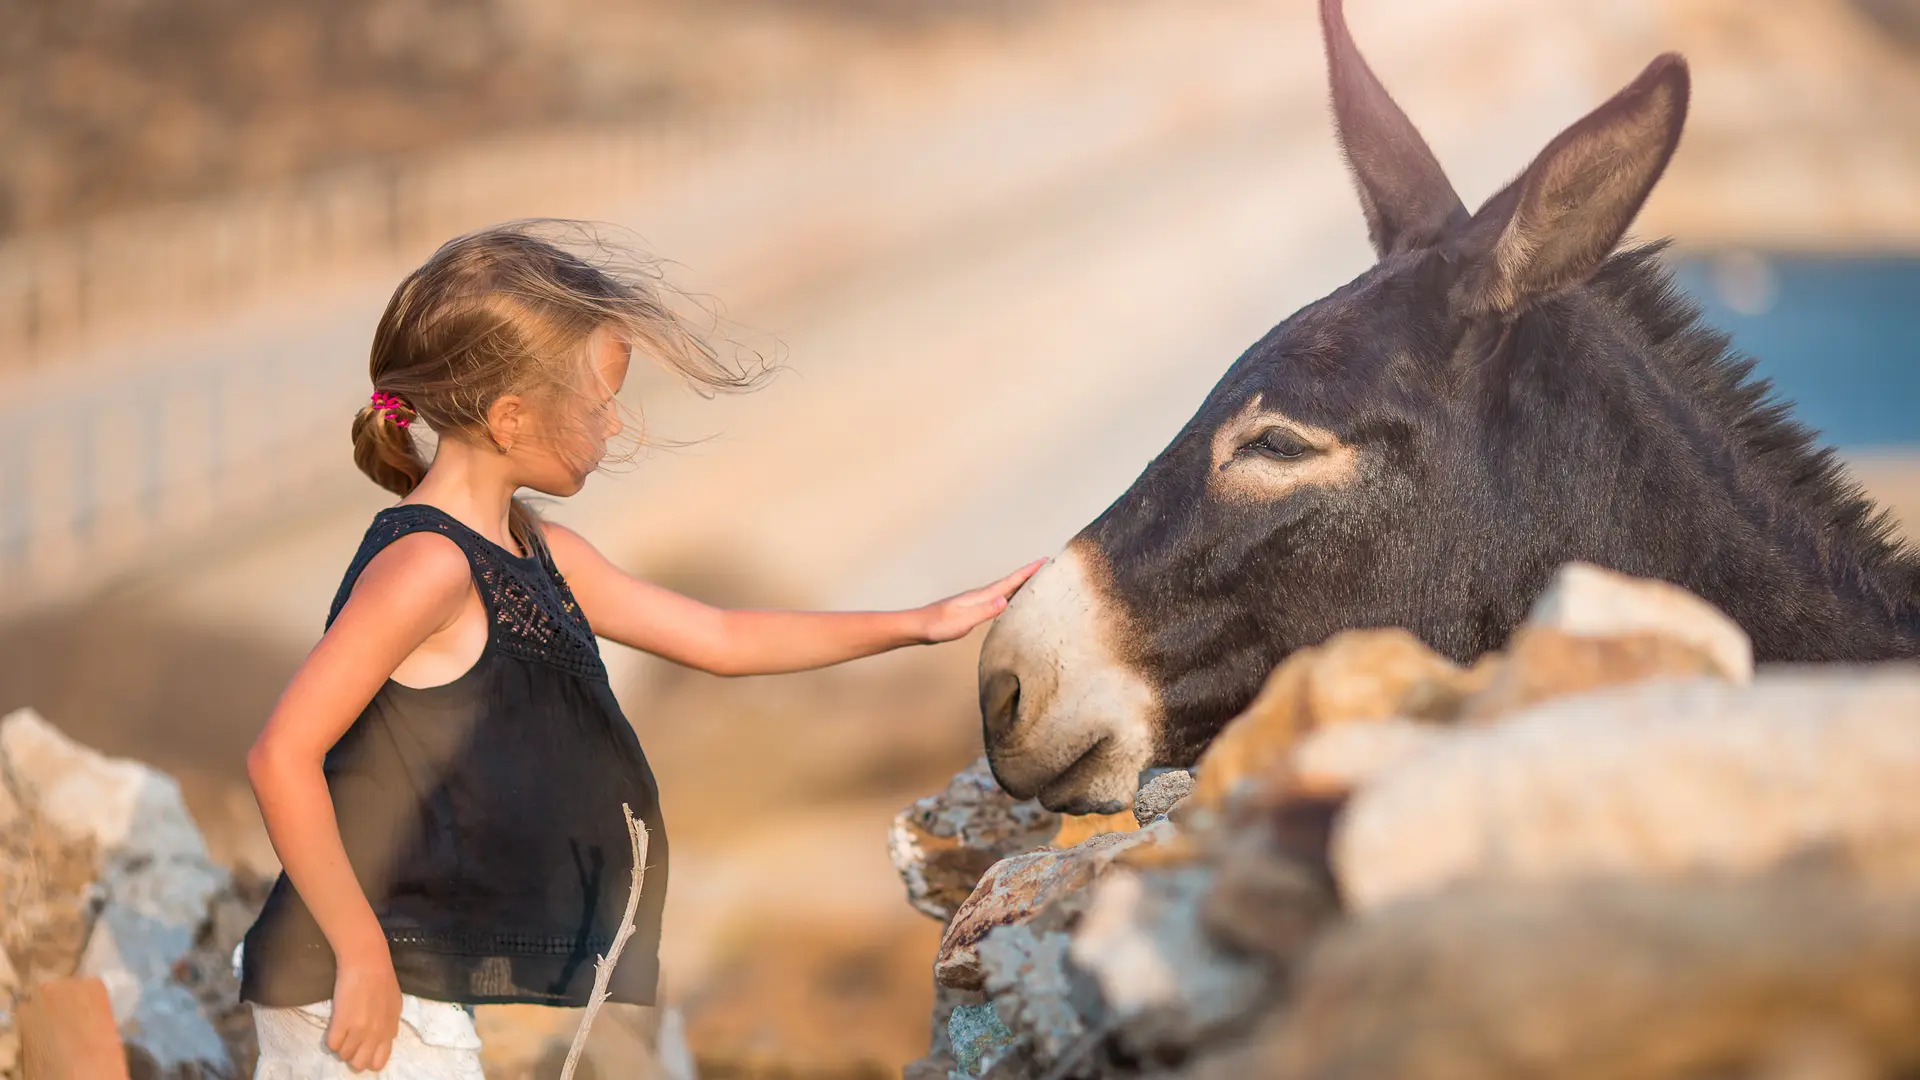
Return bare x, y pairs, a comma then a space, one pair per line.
999, 704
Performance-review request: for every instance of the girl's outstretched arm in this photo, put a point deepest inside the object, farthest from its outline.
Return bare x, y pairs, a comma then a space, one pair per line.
723, 641
416, 587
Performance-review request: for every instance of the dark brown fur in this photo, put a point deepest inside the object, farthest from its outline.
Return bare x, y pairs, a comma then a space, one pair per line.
1521, 395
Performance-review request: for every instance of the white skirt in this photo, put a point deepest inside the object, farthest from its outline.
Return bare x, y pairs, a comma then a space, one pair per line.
436, 1041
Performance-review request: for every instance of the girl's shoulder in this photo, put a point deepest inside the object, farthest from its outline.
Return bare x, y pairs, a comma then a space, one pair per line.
559, 538
574, 556
431, 558
419, 569
415, 564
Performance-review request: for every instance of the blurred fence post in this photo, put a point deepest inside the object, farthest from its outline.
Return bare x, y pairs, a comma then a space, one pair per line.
83, 477
152, 410
16, 492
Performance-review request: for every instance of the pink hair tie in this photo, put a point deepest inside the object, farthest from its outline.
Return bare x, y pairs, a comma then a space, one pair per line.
394, 407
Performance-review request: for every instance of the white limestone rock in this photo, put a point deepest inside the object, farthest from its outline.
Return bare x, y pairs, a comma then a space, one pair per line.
1346, 756
1656, 778
154, 885
120, 804
1588, 601
1163, 980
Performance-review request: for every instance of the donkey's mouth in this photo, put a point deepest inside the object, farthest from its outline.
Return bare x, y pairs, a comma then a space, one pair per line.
1064, 717
1092, 784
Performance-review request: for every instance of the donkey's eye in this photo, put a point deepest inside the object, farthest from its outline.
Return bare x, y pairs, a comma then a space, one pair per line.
1276, 443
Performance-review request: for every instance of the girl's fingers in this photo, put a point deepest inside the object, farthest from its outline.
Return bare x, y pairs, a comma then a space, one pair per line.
958, 614
993, 605
381, 1056
1019, 577
1006, 586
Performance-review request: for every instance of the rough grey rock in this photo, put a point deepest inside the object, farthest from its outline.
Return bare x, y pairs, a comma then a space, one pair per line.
1650, 779
977, 1037
1024, 888
1032, 986
937, 1063
173, 893
1269, 898
1588, 601
160, 1020
942, 844
1164, 983
153, 888
1161, 794
169, 1038
9, 1043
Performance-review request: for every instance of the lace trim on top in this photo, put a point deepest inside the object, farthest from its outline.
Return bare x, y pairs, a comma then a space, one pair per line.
533, 614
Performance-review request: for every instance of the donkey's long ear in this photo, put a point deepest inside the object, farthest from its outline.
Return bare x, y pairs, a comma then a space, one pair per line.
1407, 198
1556, 225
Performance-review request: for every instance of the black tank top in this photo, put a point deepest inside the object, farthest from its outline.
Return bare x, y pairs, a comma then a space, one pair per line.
482, 817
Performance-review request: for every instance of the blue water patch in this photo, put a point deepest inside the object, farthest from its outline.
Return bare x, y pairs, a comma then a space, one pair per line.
1839, 336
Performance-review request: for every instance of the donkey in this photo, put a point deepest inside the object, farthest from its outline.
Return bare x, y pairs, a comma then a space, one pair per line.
1499, 394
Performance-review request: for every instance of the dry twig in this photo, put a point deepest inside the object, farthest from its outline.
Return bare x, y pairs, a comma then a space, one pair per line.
603, 969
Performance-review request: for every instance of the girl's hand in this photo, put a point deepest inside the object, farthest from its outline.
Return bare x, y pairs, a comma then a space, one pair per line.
951, 618
366, 1010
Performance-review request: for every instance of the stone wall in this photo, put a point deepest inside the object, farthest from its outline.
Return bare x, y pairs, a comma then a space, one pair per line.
1611, 850
103, 873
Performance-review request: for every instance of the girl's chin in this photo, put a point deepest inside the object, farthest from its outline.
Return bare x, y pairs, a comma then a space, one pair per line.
560, 489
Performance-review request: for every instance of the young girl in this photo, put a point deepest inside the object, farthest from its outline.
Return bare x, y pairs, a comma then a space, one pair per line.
442, 778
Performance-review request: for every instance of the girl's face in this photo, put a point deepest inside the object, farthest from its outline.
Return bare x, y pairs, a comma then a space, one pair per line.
576, 427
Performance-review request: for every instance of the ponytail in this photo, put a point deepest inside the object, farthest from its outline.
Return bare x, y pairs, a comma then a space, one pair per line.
385, 451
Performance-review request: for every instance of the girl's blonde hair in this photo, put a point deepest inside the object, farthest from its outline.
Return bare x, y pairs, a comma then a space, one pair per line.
510, 310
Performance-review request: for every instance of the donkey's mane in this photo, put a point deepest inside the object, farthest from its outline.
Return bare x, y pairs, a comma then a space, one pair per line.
1806, 476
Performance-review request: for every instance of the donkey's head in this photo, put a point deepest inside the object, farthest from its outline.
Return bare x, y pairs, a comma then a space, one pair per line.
1419, 449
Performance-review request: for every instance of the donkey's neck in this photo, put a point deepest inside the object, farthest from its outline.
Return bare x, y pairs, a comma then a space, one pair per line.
1733, 497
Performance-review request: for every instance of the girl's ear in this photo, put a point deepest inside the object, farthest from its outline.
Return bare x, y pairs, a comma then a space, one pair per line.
507, 421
